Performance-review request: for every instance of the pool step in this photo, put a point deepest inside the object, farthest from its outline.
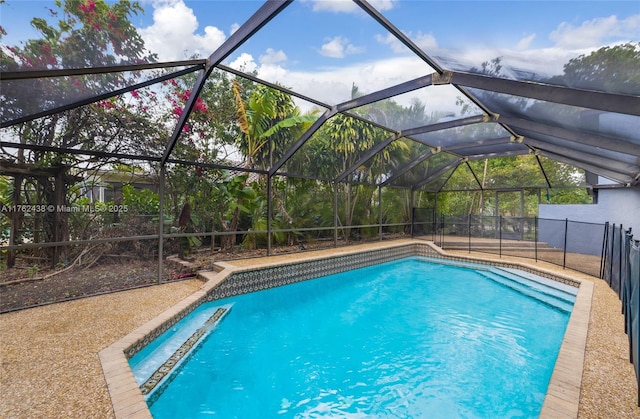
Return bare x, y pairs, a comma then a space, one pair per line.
548, 295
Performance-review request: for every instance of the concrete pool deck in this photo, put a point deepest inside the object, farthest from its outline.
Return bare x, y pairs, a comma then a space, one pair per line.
50, 365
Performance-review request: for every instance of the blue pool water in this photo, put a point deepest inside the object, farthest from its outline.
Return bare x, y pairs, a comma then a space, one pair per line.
403, 339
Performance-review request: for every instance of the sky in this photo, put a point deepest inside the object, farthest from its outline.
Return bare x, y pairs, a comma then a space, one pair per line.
320, 48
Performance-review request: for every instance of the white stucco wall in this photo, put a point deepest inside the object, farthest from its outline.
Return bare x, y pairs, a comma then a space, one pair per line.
619, 206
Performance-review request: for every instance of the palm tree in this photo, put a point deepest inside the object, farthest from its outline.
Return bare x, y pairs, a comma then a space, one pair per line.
267, 121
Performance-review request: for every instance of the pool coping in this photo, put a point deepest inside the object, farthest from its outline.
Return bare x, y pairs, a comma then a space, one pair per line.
563, 394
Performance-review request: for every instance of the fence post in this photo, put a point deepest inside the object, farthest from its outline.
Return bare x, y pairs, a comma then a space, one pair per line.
380, 215
469, 222
564, 256
621, 247
535, 236
434, 225
335, 214
161, 222
613, 240
413, 220
603, 254
269, 213
500, 233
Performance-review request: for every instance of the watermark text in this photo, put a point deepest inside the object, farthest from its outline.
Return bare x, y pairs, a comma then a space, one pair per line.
42, 208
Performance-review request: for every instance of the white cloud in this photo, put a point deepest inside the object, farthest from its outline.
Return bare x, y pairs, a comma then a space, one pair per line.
272, 56
597, 31
234, 27
544, 62
425, 41
339, 47
525, 42
333, 85
244, 62
393, 42
383, 4
173, 33
347, 6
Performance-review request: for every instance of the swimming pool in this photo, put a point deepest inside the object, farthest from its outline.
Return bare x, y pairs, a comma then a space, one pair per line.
405, 338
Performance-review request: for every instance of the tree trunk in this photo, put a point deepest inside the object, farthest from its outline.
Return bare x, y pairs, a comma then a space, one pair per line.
16, 220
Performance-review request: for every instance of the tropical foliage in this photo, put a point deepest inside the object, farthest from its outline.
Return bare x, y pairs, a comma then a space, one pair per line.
216, 179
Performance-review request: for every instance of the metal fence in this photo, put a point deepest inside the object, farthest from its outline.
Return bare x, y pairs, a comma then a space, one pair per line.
621, 270
566, 243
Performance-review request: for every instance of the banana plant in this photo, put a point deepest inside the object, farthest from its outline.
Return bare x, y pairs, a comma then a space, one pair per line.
268, 122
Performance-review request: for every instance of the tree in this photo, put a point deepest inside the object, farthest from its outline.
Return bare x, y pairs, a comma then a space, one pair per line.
87, 33
265, 121
611, 69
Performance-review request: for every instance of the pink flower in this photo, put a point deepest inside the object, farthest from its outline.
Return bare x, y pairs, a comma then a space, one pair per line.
200, 106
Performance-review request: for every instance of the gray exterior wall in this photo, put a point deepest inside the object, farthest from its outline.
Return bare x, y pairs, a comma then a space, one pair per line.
619, 206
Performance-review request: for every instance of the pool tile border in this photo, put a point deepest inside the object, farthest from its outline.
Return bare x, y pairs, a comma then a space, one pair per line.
228, 280
167, 367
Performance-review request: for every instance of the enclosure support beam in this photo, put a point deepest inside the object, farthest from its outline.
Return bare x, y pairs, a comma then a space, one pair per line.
497, 215
302, 140
449, 177
613, 175
585, 138
410, 165
335, 214
66, 72
75, 151
398, 89
371, 11
593, 159
589, 99
544, 173
269, 212
372, 152
477, 143
438, 173
261, 17
272, 85
412, 214
98, 98
161, 223
435, 217
414, 131
380, 212
503, 154
447, 124
474, 176
442, 77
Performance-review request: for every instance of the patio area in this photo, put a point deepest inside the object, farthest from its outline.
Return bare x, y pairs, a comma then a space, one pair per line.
293, 126
51, 369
